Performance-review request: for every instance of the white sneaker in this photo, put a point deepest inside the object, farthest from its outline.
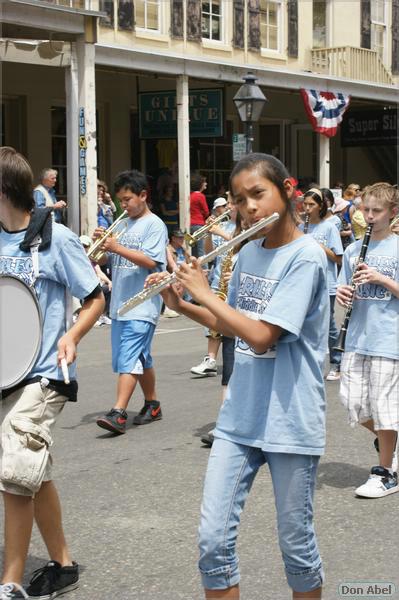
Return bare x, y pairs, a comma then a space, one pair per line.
170, 314
206, 367
9, 591
105, 320
333, 375
380, 483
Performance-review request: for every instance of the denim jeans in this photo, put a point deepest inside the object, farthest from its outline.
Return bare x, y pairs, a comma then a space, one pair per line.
333, 335
199, 248
231, 471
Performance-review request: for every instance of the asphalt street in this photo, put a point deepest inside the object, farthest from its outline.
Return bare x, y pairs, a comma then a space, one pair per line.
131, 503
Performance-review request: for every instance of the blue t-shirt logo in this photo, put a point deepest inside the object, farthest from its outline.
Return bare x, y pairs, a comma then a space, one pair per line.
254, 296
19, 266
386, 265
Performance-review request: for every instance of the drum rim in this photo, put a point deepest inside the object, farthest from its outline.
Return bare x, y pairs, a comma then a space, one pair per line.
39, 344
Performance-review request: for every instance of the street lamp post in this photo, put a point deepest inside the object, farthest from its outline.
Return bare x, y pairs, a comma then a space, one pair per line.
249, 101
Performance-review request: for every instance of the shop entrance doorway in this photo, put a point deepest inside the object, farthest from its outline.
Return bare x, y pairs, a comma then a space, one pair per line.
304, 154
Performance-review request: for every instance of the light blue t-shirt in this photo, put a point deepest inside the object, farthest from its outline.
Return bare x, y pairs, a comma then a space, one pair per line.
336, 221
63, 267
217, 241
149, 235
374, 323
327, 234
275, 400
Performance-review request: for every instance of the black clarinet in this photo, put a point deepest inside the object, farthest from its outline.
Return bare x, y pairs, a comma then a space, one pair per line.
306, 223
340, 347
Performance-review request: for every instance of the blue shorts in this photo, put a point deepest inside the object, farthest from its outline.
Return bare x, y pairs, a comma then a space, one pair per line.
131, 346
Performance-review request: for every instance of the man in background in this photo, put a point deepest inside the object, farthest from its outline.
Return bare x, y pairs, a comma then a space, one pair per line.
44, 194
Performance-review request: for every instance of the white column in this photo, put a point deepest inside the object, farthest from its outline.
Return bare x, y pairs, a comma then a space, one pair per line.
86, 143
324, 161
183, 147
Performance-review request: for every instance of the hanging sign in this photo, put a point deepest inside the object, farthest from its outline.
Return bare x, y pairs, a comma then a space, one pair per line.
158, 114
239, 146
370, 128
82, 153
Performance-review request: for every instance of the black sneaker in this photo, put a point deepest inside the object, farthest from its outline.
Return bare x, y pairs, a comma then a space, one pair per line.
150, 412
52, 580
114, 420
207, 439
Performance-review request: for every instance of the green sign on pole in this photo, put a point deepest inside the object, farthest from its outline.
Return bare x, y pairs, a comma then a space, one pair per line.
158, 114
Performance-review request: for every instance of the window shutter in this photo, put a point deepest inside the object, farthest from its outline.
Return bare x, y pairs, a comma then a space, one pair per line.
176, 9
107, 6
292, 9
194, 20
395, 37
125, 15
365, 24
238, 21
253, 25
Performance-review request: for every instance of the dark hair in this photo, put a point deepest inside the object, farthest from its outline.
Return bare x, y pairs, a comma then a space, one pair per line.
133, 180
318, 196
328, 196
269, 167
196, 180
16, 179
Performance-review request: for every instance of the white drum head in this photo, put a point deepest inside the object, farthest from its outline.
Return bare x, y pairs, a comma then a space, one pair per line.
20, 330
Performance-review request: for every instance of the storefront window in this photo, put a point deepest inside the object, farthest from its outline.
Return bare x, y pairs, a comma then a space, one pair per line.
58, 148
270, 17
319, 24
213, 157
147, 14
378, 27
212, 20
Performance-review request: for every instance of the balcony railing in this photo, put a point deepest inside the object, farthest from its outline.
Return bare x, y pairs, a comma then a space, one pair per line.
353, 63
76, 4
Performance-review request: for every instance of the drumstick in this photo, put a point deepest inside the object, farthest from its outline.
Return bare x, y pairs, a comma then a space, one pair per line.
65, 372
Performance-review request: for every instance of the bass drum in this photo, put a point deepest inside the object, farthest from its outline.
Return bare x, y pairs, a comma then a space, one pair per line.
21, 327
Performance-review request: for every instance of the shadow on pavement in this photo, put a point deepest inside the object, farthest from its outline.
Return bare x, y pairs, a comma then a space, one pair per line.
340, 475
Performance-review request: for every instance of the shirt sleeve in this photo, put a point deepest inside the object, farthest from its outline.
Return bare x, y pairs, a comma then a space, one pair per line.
203, 206
334, 241
39, 198
293, 296
155, 242
74, 270
345, 274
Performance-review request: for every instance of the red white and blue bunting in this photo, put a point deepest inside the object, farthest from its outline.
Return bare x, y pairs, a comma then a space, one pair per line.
325, 110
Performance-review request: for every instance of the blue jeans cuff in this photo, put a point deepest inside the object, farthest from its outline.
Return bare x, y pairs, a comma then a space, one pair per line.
220, 578
307, 580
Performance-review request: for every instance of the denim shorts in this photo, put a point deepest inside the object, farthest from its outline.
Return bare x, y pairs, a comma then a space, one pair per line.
231, 471
131, 346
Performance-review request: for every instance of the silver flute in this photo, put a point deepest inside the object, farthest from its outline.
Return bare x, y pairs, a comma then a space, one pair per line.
154, 289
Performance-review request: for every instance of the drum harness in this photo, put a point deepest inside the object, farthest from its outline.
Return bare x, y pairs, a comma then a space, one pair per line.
37, 238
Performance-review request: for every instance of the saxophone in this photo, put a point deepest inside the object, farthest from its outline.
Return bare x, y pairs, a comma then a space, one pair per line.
226, 266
